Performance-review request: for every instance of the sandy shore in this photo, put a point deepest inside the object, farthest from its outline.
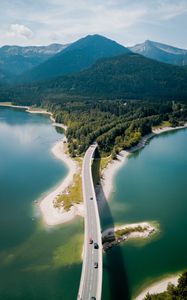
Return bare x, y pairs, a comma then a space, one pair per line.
8, 104
149, 229
166, 129
108, 174
51, 215
158, 287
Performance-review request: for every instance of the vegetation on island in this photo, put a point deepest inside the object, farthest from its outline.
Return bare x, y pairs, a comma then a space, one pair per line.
128, 230
73, 194
115, 236
178, 292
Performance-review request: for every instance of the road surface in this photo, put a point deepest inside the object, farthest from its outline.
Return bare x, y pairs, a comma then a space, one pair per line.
91, 277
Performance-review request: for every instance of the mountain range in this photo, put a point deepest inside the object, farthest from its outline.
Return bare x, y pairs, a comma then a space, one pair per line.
16, 60
128, 76
78, 56
96, 67
32, 63
161, 52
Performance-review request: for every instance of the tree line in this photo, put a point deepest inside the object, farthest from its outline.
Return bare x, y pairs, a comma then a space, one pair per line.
115, 125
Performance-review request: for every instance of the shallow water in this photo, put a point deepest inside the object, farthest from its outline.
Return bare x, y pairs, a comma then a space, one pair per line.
44, 263
151, 186
35, 262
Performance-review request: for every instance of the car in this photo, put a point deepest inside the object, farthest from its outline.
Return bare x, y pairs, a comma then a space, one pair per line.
90, 240
95, 265
96, 246
91, 198
93, 298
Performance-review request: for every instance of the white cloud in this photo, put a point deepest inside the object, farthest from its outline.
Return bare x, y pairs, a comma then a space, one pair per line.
65, 21
18, 30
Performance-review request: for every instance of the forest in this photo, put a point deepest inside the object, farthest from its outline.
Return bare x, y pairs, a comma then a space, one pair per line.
173, 293
129, 76
115, 125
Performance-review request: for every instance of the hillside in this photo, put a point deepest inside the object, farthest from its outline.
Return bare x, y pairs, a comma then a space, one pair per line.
78, 56
129, 76
161, 52
16, 59
5, 77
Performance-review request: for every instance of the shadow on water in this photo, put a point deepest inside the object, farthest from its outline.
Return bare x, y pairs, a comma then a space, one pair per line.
114, 263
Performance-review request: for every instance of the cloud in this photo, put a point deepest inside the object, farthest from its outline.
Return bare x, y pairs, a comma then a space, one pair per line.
18, 30
65, 21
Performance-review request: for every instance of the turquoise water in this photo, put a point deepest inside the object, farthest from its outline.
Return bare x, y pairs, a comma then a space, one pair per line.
44, 263
151, 186
35, 262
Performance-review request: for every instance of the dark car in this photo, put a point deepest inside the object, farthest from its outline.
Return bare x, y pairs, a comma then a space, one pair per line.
96, 246
95, 265
90, 240
91, 198
93, 298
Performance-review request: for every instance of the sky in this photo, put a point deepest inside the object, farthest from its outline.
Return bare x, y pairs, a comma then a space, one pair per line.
129, 22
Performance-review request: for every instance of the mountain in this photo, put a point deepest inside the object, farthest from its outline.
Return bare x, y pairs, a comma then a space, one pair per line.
5, 77
161, 52
129, 76
16, 59
78, 56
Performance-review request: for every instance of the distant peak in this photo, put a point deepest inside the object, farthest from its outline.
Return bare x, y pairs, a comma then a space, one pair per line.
95, 35
148, 42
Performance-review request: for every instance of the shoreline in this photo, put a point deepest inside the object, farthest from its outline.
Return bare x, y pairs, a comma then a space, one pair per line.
51, 215
31, 110
56, 216
106, 186
147, 225
115, 235
159, 286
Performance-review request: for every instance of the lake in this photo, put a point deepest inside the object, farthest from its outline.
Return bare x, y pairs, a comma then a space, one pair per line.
150, 186
36, 262
39, 262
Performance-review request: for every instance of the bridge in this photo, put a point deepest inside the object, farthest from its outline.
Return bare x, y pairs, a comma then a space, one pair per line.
91, 277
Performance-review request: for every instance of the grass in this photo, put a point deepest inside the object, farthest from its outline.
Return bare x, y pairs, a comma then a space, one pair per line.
73, 194
104, 162
162, 125
127, 230
121, 232
98, 165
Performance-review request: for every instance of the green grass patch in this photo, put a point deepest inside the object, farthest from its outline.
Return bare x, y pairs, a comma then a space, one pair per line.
104, 162
127, 230
162, 125
98, 165
73, 194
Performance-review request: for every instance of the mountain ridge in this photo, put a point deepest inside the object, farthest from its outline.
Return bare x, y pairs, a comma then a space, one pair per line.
17, 59
128, 76
161, 52
78, 56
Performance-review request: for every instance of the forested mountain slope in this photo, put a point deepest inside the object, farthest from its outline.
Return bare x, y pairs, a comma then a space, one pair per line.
78, 56
17, 59
129, 76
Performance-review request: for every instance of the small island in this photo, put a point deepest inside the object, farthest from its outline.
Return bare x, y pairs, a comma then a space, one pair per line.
114, 236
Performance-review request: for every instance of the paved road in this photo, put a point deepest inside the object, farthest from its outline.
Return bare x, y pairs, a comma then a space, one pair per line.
91, 278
